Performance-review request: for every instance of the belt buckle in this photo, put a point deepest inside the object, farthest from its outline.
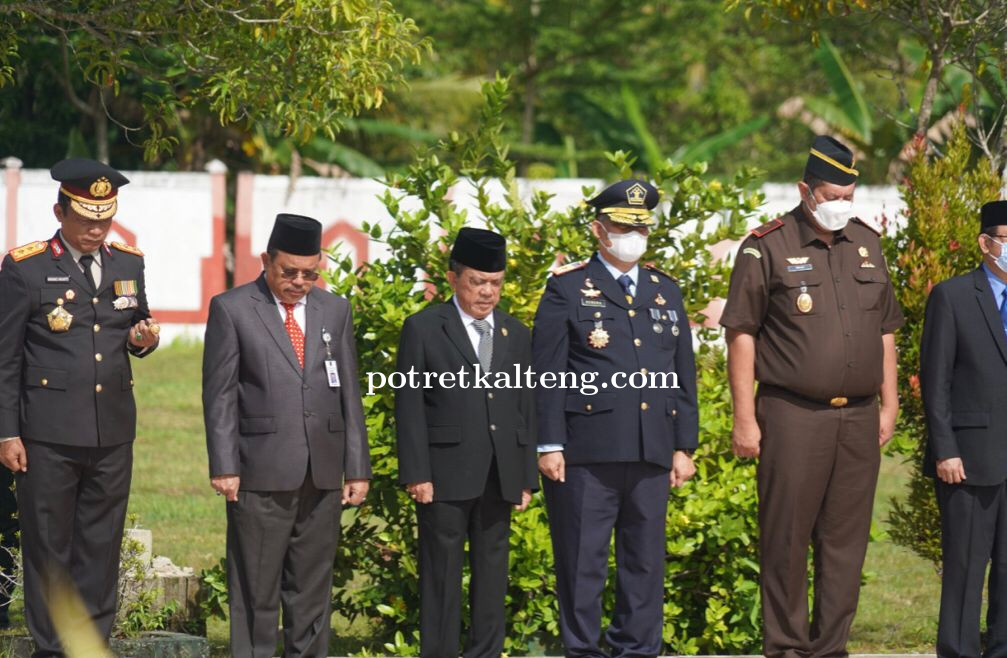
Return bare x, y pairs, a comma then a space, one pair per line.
839, 402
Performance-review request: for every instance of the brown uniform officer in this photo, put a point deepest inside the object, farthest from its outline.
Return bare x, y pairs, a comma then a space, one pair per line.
811, 314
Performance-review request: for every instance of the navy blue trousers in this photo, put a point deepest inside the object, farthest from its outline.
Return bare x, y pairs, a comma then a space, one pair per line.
632, 499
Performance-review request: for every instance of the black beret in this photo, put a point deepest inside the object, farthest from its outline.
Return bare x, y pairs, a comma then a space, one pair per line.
91, 185
627, 202
480, 249
830, 161
296, 234
993, 213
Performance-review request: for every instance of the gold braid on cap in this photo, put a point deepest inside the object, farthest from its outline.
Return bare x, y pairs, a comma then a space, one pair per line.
838, 165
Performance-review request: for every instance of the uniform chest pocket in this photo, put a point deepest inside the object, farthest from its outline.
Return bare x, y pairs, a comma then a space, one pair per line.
870, 288
594, 313
802, 294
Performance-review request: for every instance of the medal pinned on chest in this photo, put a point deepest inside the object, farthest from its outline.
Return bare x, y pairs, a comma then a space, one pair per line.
804, 301
589, 290
598, 338
59, 318
126, 292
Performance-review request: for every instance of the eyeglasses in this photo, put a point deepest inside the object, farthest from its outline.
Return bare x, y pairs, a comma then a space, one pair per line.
292, 273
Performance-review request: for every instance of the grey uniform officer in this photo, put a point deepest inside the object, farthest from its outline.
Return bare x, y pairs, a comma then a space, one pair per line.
72, 310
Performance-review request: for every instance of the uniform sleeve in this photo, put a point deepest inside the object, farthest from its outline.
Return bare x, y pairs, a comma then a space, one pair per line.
142, 312
748, 296
891, 312
221, 363
14, 311
357, 459
410, 411
687, 419
937, 362
550, 345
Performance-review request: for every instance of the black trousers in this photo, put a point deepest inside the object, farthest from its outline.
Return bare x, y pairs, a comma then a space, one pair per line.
72, 508
973, 534
443, 528
632, 499
280, 550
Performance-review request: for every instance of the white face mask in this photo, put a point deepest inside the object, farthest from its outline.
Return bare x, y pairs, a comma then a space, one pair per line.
1001, 260
627, 247
833, 215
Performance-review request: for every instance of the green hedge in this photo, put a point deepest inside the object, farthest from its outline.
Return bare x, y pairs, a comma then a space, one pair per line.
711, 602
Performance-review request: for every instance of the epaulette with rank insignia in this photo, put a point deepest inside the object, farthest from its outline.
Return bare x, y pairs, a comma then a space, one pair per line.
870, 225
569, 267
767, 228
128, 248
27, 250
659, 271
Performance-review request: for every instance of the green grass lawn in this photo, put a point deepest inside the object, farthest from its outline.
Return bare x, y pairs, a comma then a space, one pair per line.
171, 496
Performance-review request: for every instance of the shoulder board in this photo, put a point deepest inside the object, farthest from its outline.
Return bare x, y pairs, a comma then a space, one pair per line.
569, 267
767, 228
28, 250
128, 248
869, 225
662, 272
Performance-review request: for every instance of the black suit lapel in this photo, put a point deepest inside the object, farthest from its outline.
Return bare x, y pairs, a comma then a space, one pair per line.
457, 332
984, 296
270, 315
603, 281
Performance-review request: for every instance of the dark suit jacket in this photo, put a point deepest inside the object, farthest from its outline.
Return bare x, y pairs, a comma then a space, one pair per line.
615, 424
963, 377
49, 380
264, 416
449, 436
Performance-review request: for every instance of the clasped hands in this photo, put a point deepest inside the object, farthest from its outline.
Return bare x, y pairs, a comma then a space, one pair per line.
423, 493
553, 466
354, 491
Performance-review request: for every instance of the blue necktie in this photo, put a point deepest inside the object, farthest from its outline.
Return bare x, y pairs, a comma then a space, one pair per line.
1003, 309
626, 282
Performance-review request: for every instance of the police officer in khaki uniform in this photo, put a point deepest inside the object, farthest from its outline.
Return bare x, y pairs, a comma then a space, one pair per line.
72, 311
810, 315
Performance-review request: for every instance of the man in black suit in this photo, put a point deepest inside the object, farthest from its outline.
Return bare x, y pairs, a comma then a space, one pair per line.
72, 310
610, 458
963, 376
466, 453
286, 439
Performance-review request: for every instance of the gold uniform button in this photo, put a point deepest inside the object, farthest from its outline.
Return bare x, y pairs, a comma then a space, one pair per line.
97, 389
587, 407
674, 412
643, 371
97, 357
493, 428
94, 300
45, 382
632, 313
644, 406
637, 342
97, 328
131, 383
597, 314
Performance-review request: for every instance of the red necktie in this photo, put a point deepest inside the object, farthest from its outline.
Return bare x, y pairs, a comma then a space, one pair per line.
295, 333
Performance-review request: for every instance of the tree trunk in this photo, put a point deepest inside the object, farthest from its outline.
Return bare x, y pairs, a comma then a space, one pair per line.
930, 91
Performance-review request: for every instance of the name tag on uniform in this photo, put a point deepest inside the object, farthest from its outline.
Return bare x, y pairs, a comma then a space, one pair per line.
333, 373
800, 268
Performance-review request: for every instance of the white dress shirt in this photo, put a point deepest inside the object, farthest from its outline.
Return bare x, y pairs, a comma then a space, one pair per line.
299, 307
467, 321
95, 265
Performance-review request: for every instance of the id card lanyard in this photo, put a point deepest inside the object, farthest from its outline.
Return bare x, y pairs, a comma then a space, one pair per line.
331, 371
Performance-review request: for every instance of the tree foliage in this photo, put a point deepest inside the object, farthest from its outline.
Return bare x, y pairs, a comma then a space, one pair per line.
298, 66
711, 602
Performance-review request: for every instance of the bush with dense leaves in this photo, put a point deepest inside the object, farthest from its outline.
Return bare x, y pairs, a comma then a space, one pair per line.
711, 601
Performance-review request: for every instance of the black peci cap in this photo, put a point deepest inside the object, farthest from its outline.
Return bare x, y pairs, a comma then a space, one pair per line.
993, 213
296, 234
831, 161
480, 249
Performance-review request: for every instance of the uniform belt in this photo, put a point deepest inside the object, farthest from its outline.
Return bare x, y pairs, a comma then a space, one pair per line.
837, 402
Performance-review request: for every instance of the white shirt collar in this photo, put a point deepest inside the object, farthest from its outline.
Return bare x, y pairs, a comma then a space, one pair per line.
76, 254
468, 319
633, 273
300, 302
